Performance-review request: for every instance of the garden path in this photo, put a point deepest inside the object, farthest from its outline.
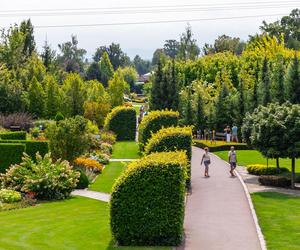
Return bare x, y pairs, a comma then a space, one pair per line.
218, 214
92, 194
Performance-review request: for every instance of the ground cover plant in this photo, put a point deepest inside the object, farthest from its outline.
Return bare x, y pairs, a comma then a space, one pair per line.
279, 228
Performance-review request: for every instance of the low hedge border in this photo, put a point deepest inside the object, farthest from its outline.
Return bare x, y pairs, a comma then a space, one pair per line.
274, 180
31, 147
153, 122
147, 201
259, 169
19, 135
10, 153
216, 148
172, 139
122, 121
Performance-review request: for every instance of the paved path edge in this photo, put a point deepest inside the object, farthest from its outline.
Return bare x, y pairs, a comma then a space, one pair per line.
92, 194
253, 212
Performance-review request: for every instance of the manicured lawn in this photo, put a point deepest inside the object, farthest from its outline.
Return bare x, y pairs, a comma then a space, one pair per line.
246, 157
125, 150
76, 223
279, 218
105, 181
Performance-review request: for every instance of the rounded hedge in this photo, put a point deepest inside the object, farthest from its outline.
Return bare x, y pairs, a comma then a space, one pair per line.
172, 139
259, 169
147, 201
83, 181
153, 122
122, 121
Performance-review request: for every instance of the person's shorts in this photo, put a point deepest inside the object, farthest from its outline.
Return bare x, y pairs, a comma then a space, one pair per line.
206, 163
233, 164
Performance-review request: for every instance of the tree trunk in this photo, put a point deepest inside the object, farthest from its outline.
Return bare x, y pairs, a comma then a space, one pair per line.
293, 174
277, 165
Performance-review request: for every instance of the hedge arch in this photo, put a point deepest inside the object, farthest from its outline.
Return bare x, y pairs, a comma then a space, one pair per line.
153, 122
172, 139
122, 121
147, 201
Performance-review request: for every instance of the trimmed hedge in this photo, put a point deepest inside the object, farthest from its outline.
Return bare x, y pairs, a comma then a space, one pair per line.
153, 122
31, 147
10, 153
259, 169
216, 148
122, 121
274, 180
172, 139
19, 135
147, 201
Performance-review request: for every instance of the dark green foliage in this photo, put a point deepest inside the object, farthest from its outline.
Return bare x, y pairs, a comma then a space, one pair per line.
122, 121
293, 81
200, 118
10, 153
93, 72
32, 147
216, 148
275, 181
222, 110
59, 116
83, 181
19, 135
264, 170
265, 83
153, 122
156, 91
147, 201
172, 139
278, 83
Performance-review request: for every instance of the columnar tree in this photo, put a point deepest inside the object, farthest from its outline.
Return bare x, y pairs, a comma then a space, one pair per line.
265, 83
106, 69
36, 98
293, 81
116, 88
278, 83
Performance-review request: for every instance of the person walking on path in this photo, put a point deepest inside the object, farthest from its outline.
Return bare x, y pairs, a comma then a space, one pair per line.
206, 161
232, 160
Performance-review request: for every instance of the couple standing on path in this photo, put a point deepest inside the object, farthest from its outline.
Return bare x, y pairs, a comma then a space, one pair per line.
232, 159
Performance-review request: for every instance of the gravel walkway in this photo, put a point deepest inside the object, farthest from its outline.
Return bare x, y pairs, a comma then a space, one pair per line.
92, 194
218, 215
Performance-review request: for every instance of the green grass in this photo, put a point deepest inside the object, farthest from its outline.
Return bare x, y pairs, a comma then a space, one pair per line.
125, 150
76, 223
247, 157
105, 181
279, 218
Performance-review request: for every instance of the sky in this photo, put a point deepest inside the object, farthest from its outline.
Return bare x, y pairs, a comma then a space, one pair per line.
140, 39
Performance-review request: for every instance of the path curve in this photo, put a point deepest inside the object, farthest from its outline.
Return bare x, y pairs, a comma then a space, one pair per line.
217, 215
92, 194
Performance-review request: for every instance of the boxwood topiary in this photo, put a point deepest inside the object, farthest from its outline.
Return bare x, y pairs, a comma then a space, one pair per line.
83, 181
172, 139
147, 201
122, 121
274, 180
153, 122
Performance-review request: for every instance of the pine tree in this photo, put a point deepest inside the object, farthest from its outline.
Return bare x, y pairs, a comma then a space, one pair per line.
188, 114
53, 98
255, 88
173, 94
278, 83
36, 97
48, 56
200, 116
155, 98
265, 83
116, 88
241, 104
292, 81
106, 69
222, 115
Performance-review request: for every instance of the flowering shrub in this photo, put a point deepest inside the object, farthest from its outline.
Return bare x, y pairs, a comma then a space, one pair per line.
100, 157
45, 178
88, 163
106, 148
108, 137
9, 196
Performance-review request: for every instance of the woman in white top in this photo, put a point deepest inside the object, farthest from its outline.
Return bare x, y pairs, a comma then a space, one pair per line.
206, 161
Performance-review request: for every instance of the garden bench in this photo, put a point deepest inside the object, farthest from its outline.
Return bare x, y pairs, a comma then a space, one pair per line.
220, 136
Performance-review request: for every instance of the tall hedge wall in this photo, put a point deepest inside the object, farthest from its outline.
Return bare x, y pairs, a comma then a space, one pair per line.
19, 135
172, 139
122, 121
153, 122
10, 153
147, 201
31, 147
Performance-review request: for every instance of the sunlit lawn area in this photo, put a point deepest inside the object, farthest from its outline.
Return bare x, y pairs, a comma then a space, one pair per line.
246, 157
279, 218
76, 223
125, 150
105, 181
